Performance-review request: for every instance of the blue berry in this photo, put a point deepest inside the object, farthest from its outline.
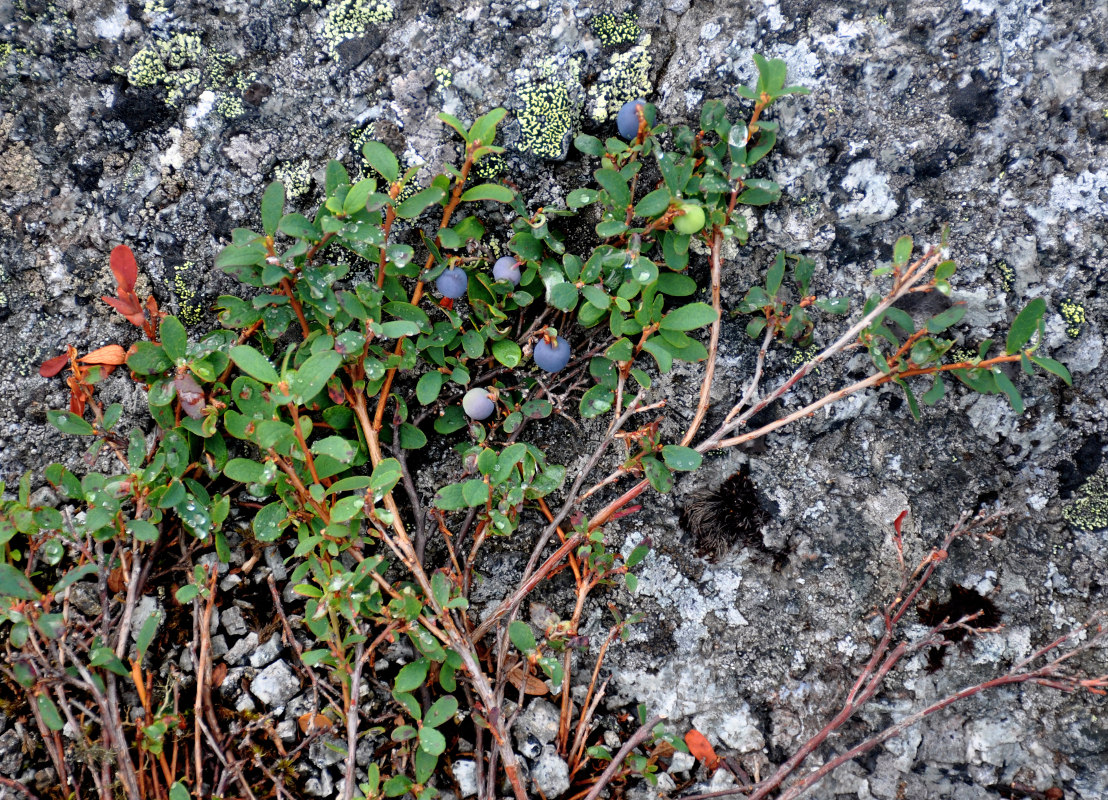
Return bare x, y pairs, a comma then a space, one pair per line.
477, 405
552, 358
628, 120
452, 283
506, 268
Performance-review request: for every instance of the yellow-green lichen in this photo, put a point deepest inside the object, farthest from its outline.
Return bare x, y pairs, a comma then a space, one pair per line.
5, 53
612, 29
490, 167
627, 77
443, 77
145, 68
152, 7
1074, 315
180, 84
802, 355
181, 49
547, 118
1089, 511
1007, 276
229, 106
349, 19
297, 177
189, 310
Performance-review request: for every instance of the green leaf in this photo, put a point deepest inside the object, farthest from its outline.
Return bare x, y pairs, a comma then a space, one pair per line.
563, 296
683, 459
589, 145
776, 274
411, 676
488, 191
381, 158
254, 364
441, 711
313, 375
507, 353
935, 393
579, 198
358, 195
104, 657
1024, 325
273, 206
1053, 367
398, 328
346, 508
174, 338
913, 406
299, 227
14, 583
902, 250
68, 422
657, 474
146, 634
431, 741
411, 437
943, 320
50, 714
475, 492
270, 521
654, 204
420, 202
148, 359
689, 317
760, 192
615, 185
244, 470
1005, 385
522, 637
336, 447
596, 401
429, 386
178, 791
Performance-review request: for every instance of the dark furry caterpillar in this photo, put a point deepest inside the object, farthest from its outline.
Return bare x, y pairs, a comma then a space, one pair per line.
730, 514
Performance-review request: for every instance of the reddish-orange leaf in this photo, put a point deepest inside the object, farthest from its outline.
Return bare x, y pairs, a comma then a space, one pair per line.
899, 521
53, 366
111, 354
317, 721
130, 310
124, 267
701, 748
219, 674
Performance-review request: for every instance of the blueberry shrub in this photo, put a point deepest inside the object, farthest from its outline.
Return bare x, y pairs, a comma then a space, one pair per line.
295, 431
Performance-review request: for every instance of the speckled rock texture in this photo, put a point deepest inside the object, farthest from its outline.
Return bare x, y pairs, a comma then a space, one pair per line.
158, 125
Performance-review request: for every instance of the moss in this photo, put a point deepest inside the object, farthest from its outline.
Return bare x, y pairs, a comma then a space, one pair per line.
614, 29
145, 68
297, 178
1074, 315
548, 116
349, 19
1089, 511
189, 310
627, 77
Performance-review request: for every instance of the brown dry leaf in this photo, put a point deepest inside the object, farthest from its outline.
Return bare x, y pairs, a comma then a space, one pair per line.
115, 580
534, 685
219, 674
310, 721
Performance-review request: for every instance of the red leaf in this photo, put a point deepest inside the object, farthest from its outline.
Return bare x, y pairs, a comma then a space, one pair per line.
900, 521
130, 310
53, 366
124, 267
701, 748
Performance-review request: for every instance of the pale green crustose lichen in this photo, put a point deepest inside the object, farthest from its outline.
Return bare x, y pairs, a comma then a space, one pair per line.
349, 19
1007, 276
548, 116
443, 77
297, 177
189, 309
146, 68
1089, 511
612, 29
627, 77
1074, 315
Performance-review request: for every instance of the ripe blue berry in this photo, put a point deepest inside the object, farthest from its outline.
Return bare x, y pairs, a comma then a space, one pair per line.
477, 405
552, 358
628, 120
506, 268
452, 283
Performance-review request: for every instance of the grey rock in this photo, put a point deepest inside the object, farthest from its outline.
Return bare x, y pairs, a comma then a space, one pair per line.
551, 774
243, 648
681, 763
465, 773
85, 597
320, 784
538, 721
275, 685
327, 751
232, 621
265, 653
11, 753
